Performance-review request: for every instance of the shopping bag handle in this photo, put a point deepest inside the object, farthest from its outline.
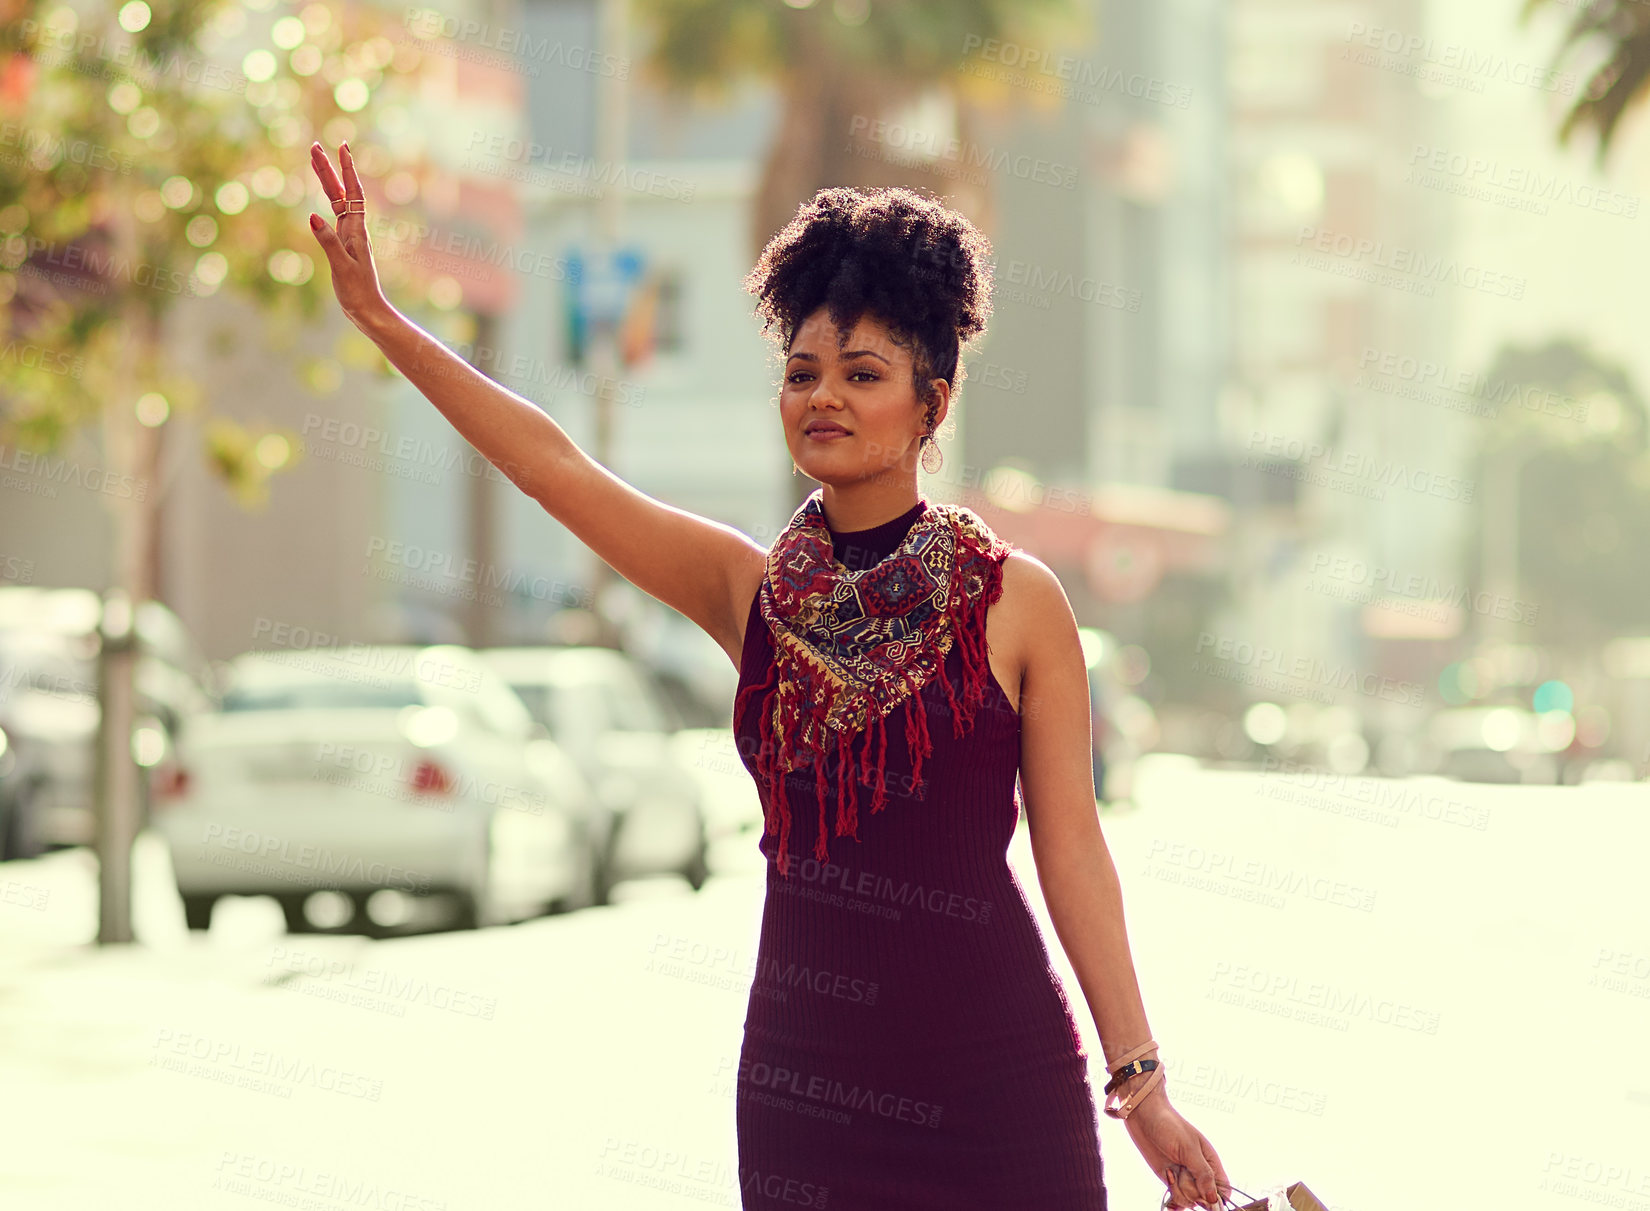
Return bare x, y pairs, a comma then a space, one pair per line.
1225, 1200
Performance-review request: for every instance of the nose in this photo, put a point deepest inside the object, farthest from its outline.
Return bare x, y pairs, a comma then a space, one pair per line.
822, 395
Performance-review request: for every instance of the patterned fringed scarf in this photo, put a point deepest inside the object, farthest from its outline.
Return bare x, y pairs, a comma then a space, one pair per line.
851, 646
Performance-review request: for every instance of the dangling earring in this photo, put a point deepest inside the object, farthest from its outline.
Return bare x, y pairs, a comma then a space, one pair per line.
930, 446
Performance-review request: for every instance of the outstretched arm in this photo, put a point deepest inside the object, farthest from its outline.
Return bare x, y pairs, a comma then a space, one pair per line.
696, 566
1076, 872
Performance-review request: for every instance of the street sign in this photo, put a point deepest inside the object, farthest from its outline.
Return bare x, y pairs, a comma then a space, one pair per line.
601, 291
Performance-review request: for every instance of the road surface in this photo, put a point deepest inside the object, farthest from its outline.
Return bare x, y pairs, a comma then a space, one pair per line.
1409, 995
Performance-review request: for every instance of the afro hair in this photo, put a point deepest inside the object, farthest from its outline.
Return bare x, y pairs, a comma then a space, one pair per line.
914, 265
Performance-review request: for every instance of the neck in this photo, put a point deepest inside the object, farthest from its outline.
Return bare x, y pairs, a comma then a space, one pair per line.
863, 506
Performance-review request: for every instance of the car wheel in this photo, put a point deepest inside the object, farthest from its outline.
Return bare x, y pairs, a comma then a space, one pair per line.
468, 909
292, 908
698, 870
197, 911
593, 890
473, 906
9, 845
16, 825
601, 878
603, 859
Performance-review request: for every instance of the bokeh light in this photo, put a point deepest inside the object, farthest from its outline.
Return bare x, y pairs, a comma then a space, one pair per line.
152, 409
134, 16
259, 65
1552, 696
1265, 723
1502, 729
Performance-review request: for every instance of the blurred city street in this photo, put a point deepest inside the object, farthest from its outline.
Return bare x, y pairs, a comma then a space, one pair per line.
1363, 984
416, 425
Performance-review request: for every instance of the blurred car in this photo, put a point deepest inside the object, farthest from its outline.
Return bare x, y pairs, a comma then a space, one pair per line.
695, 680
1508, 744
49, 708
407, 770
604, 711
20, 782
696, 687
727, 792
1122, 724
1309, 735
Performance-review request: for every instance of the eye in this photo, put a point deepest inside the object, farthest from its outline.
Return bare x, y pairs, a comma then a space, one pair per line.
799, 375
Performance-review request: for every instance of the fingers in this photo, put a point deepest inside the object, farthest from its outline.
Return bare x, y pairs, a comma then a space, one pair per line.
323, 169
353, 222
1202, 1178
1221, 1179
330, 244
353, 225
1195, 1183
1181, 1190
352, 181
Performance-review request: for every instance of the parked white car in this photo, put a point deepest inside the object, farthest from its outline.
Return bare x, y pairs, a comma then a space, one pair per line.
732, 807
379, 773
50, 714
606, 715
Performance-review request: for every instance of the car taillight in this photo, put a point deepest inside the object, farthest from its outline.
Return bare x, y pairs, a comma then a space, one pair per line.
431, 778
170, 783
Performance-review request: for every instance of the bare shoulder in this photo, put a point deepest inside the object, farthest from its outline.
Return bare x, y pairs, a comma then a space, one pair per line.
1032, 593
1033, 607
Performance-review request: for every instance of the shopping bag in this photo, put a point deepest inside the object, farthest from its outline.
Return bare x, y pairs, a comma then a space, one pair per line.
1296, 1197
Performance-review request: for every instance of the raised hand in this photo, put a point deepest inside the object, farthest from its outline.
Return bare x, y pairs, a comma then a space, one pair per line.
348, 251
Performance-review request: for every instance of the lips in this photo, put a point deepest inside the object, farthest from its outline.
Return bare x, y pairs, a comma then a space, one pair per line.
825, 426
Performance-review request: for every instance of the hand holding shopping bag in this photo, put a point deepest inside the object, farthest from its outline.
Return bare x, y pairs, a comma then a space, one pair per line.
1171, 1145
1295, 1196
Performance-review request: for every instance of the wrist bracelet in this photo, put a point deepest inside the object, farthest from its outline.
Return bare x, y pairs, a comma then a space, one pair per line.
1126, 1107
1127, 1056
1132, 1069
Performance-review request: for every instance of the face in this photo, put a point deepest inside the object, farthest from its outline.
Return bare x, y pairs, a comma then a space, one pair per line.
862, 386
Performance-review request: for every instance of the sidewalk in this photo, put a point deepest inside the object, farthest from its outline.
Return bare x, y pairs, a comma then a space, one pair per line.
1414, 1013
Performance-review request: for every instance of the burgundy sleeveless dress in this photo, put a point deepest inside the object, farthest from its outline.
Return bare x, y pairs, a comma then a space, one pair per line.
907, 1042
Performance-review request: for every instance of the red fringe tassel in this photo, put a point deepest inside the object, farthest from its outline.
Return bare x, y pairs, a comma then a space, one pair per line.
968, 630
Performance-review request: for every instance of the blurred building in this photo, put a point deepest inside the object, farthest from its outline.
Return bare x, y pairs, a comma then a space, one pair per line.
1228, 379
695, 423
1159, 335
1340, 278
1250, 200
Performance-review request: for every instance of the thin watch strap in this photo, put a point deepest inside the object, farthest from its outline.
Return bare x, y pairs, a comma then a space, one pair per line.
1139, 1095
1127, 1056
1124, 1108
1128, 1071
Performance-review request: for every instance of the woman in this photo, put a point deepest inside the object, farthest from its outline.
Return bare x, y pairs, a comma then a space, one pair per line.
907, 1044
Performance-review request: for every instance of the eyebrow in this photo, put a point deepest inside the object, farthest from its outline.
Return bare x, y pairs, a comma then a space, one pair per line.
849, 353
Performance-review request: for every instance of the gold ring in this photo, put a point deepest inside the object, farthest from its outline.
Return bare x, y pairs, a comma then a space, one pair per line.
349, 206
